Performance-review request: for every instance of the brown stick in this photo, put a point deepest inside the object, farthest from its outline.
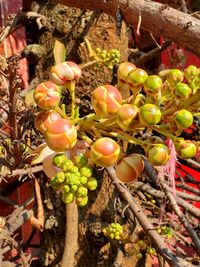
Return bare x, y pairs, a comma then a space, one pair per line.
155, 18
71, 235
181, 217
136, 209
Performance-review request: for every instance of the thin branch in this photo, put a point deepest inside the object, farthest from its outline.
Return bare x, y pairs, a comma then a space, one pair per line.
7, 174
168, 255
181, 217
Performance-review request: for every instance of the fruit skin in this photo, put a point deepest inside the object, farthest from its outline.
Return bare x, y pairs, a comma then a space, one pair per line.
182, 90
44, 118
61, 135
185, 148
125, 116
149, 114
183, 119
191, 72
137, 77
65, 72
158, 154
105, 152
130, 168
153, 85
106, 100
124, 69
47, 95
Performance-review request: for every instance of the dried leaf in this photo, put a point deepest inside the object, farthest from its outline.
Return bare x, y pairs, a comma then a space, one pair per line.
59, 52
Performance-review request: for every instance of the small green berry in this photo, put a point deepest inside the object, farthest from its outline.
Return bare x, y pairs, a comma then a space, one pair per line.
68, 198
92, 183
66, 189
82, 191
60, 177
83, 180
86, 171
74, 188
67, 165
59, 159
82, 201
80, 161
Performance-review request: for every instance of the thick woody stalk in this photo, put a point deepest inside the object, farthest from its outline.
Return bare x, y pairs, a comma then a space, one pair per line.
156, 18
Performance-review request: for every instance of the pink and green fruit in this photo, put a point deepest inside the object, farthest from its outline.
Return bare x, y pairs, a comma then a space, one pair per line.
65, 72
124, 69
105, 152
126, 116
130, 168
106, 100
61, 135
47, 95
44, 119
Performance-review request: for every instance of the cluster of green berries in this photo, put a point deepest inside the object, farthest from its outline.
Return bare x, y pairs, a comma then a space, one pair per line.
165, 231
114, 231
108, 58
74, 179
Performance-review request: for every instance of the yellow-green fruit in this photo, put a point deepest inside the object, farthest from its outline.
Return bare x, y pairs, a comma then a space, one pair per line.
83, 180
158, 154
92, 183
86, 171
185, 149
152, 85
125, 117
175, 75
182, 90
191, 72
105, 152
183, 119
82, 201
81, 191
68, 198
149, 114
137, 77
59, 159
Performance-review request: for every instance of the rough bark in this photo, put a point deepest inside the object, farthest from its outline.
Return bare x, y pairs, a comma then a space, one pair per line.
157, 18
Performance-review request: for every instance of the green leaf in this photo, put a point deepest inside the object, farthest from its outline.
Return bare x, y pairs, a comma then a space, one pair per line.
59, 52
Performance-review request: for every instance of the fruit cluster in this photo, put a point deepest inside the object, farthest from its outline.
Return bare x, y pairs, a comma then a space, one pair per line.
107, 58
165, 231
163, 104
114, 231
74, 179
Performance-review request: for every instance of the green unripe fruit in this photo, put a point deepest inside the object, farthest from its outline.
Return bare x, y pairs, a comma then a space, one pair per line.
158, 154
124, 69
139, 256
54, 184
153, 85
60, 177
82, 201
137, 77
68, 198
183, 119
149, 114
175, 75
191, 72
67, 165
74, 188
185, 149
86, 171
92, 183
83, 180
82, 191
59, 159
74, 179
74, 170
80, 161
182, 90
66, 189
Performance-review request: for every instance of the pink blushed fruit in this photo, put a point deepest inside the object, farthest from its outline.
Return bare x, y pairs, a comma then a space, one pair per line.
106, 100
130, 168
65, 72
126, 116
105, 152
44, 118
61, 135
47, 95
